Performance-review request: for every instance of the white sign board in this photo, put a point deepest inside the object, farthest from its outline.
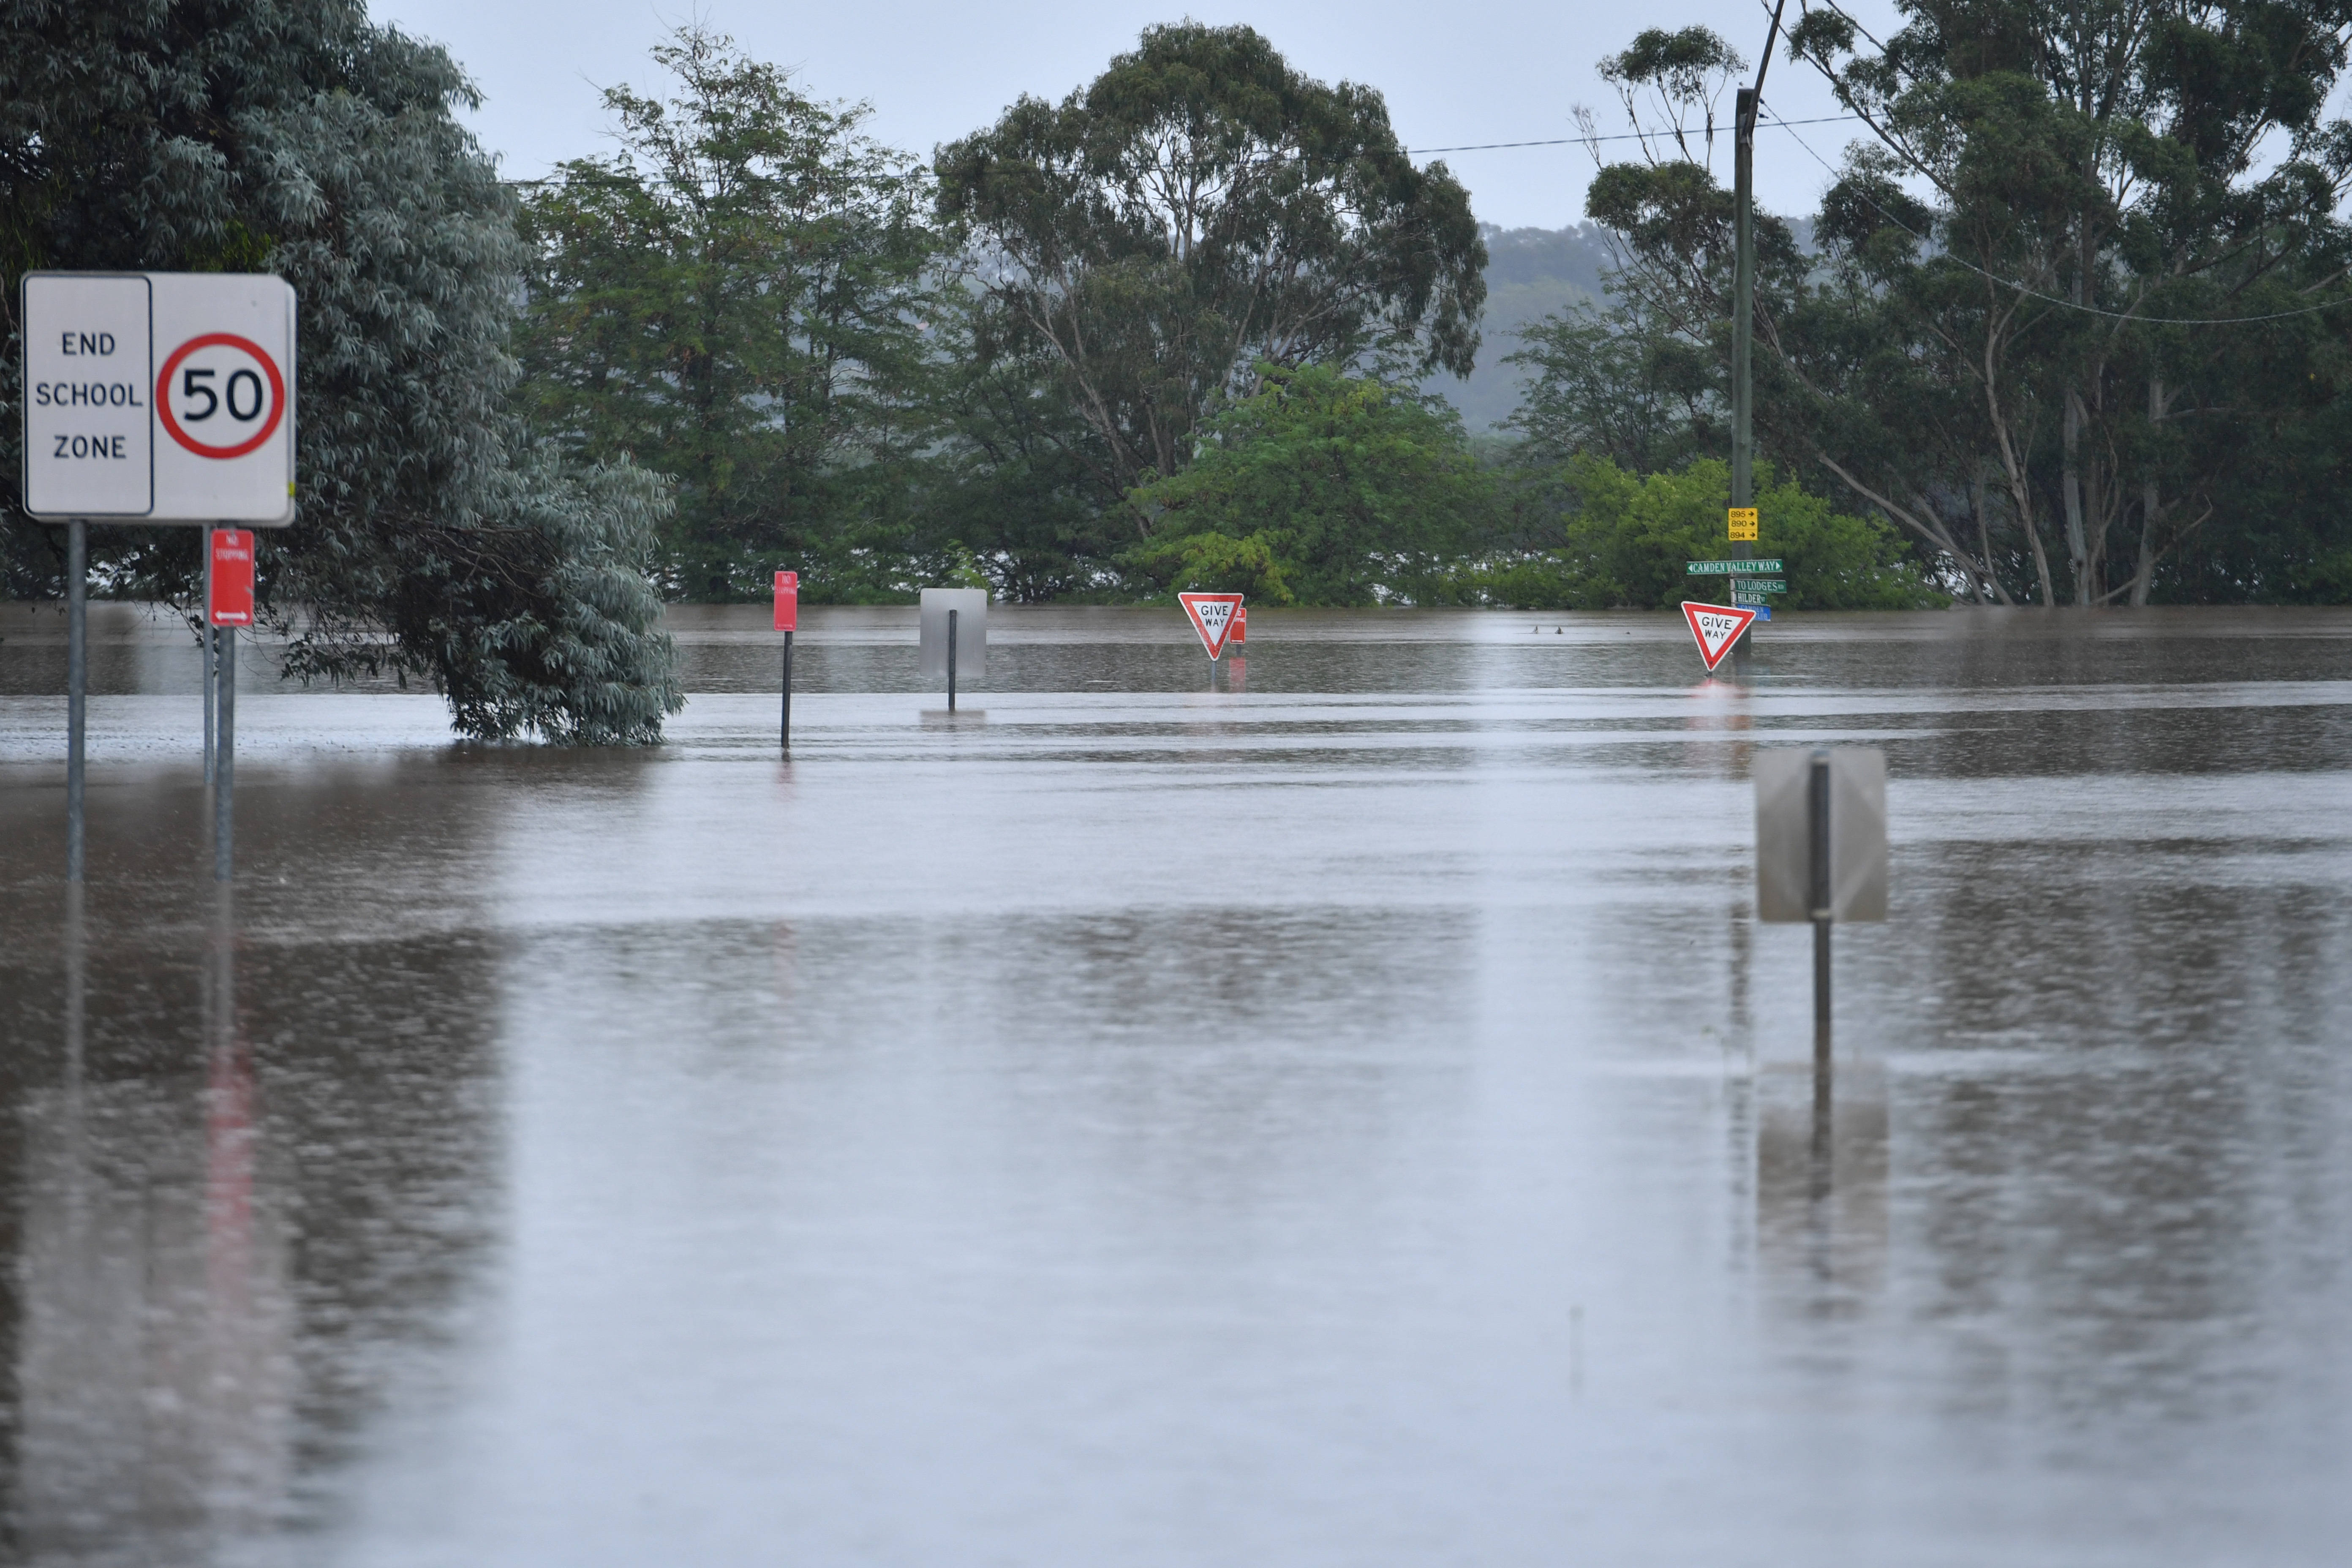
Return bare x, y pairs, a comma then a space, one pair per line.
1856, 776
970, 605
159, 397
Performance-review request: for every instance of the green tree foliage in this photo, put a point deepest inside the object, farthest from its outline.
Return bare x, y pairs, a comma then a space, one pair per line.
1197, 211
739, 299
1319, 488
2059, 327
433, 539
1629, 535
1606, 384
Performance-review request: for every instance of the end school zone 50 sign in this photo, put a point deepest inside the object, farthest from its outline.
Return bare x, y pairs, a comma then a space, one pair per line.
159, 397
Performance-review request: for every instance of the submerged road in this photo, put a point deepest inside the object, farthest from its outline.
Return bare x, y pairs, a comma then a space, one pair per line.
1353, 1118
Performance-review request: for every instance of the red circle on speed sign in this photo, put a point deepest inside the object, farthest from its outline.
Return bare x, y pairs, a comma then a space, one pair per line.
228, 397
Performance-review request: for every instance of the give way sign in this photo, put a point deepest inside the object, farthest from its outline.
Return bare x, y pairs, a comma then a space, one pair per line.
1715, 627
1213, 616
159, 397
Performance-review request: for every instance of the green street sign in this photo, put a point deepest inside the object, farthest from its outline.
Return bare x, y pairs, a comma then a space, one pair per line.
1731, 568
1760, 585
1743, 599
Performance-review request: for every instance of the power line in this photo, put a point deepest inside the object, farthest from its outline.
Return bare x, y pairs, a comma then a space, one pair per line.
2032, 293
1586, 140
1467, 147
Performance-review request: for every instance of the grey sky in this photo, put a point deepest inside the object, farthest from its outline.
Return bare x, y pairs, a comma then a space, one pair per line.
1465, 72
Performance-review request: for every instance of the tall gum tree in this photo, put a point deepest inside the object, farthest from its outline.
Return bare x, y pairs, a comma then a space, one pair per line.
1196, 211
2118, 193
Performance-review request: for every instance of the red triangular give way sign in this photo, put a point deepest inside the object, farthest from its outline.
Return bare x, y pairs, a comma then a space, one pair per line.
1717, 627
1213, 617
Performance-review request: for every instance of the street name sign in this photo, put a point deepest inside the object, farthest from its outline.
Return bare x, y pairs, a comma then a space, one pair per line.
1731, 568
1760, 585
1715, 627
1213, 616
159, 397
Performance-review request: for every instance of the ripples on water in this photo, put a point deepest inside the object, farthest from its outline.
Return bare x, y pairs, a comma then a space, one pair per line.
1353, 1118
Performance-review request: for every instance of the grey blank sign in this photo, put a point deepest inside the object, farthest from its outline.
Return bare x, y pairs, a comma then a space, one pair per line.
970, 605
1784, 835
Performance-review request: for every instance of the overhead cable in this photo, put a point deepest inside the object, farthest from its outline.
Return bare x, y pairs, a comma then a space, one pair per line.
2033, 294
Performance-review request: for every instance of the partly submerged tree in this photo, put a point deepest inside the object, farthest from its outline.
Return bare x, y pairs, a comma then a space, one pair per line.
1199, 210
1320, 489
293, 136
737, 299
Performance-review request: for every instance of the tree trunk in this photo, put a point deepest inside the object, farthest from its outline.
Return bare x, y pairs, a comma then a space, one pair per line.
2078, 548
2149, 513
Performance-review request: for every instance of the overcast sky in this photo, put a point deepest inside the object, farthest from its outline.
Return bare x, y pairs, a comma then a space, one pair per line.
1464, 71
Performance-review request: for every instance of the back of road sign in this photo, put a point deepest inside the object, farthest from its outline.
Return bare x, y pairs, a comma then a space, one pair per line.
1213, 616
970, 605
159, 397
1784, 832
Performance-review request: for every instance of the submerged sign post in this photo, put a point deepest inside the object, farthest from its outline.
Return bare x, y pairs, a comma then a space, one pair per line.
155, 397
788, 621
1821, 850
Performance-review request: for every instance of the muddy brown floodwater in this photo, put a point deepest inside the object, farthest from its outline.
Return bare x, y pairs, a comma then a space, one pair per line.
1352, 1118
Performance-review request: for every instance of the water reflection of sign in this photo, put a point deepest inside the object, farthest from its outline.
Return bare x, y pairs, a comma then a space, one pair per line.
1820, 1186
1715, 627
1213, 616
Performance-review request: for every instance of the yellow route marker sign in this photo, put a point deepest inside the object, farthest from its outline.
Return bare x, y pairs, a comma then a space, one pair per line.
1743, 524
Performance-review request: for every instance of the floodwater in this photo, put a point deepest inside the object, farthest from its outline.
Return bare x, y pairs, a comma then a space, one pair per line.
1349, 1118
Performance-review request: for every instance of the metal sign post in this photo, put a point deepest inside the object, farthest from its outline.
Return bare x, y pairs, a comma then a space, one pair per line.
1821, 850
206, 660
228, 606
77, 683
153, 397
224, 764
788, 620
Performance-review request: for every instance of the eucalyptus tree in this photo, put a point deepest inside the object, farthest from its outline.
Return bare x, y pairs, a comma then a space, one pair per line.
435, 538
1199, 210
2127, 230
738, 297
2070, 299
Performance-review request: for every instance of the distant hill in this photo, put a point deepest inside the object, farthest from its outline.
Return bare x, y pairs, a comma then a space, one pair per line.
1531, 273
